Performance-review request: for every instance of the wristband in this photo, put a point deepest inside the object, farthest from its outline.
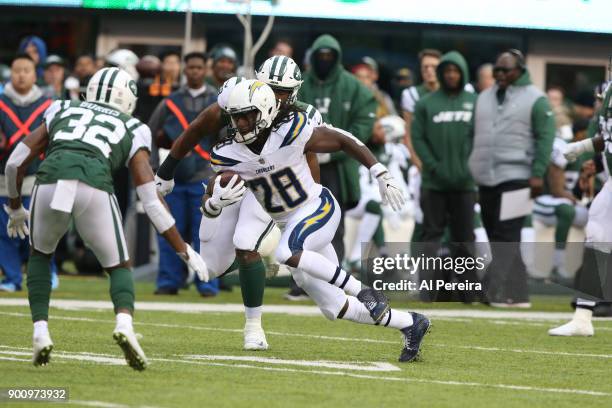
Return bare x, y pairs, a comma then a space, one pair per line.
210, 210
168, 167
377, 170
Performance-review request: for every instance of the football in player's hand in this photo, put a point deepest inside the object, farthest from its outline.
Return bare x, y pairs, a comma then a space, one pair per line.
226, 176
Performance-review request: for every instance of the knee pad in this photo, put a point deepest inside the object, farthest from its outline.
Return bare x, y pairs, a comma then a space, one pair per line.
270, 242
373, 207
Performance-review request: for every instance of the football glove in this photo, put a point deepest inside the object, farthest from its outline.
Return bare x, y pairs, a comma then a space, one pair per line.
228, 195
194, 263
17, 224
573, 150
164, 187
390, 190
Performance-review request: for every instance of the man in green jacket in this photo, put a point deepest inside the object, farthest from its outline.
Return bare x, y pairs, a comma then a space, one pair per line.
442, 137
346, 104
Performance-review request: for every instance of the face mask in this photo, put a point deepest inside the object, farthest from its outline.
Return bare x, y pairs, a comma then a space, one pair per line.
323, 67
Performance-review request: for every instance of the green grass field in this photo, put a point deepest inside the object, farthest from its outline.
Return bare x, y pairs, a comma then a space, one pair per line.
196, 359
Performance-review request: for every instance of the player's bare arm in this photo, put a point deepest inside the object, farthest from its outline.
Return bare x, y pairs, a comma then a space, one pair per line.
24, 153
157, 211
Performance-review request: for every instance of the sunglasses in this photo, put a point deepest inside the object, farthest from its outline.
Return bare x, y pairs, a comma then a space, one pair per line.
504, 70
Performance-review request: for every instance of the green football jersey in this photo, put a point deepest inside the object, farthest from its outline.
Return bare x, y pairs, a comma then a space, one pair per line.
89, 142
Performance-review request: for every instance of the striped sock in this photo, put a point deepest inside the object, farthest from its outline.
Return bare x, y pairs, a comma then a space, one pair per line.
320, 267
357, 312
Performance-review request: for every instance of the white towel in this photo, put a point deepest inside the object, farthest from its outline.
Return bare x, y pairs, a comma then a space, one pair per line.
63, 197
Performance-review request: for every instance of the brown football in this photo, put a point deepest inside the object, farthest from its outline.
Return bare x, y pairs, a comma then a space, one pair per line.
226, 176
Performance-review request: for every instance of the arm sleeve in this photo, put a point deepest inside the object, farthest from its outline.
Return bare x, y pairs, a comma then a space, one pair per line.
362, 118
419, 141
141, 140
543, 126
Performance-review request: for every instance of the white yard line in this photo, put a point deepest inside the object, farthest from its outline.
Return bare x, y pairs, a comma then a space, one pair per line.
323, 337
303, 310
95, 359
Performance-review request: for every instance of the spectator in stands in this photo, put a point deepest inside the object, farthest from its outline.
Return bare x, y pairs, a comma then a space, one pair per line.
36, 48
170, 72
225, 63
367, 73
513, 134
55, 71
441, 132
282, 47
168, 121
485, 77
563, 120
22, 106
345, 103
149, 87
402, 79
84, 68
429, 60
584, 105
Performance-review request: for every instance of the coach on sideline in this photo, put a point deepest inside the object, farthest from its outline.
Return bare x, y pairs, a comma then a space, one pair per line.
513, 136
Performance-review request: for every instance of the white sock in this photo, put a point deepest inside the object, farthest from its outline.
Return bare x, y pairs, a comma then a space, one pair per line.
559, 262
357, 312
321, 268
253, 313
124, 320
583, 315
367, 228
40, 328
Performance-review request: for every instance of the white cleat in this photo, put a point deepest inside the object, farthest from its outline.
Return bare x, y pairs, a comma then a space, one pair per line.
127, 340
573, 328
42, 346
254, 336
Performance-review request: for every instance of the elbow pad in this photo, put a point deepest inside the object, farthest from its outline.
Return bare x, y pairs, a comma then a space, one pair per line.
16, 159
160, 217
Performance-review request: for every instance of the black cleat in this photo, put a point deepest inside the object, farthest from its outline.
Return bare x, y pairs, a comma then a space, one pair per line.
375, 301
413, 336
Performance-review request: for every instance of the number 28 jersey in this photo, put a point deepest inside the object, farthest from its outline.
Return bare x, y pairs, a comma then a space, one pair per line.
89, 142
279, 176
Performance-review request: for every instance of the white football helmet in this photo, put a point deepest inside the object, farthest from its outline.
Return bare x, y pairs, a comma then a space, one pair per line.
124, 59
113, 87
249, 95
226, 90
394, 127
282, 73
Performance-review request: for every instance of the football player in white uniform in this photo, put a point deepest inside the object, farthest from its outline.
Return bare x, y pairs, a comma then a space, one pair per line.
595, 277
227, 242
386, 145
85, 142
268, 152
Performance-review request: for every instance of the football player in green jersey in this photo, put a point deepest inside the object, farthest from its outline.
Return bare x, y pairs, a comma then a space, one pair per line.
84, 143
595, 276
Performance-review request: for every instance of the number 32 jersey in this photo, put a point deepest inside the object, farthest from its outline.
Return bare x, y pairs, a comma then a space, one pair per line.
89, 142
279, 176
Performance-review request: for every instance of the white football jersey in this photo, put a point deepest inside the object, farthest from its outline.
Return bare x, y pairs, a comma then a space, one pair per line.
279, 176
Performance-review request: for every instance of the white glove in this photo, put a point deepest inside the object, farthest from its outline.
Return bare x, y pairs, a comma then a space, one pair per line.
224, 196
17, 225
164, 187
390, 190
571, 151
194, 263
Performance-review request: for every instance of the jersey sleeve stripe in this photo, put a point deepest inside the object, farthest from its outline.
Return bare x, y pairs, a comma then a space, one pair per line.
298, 124
218, 160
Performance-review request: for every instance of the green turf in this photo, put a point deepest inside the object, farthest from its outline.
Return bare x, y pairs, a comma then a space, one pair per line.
464, 360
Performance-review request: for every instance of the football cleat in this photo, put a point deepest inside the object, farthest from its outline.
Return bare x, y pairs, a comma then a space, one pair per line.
375, 301
8, 287
573, 328
42, 346
254, 337
296, 294
413, 336
127, 340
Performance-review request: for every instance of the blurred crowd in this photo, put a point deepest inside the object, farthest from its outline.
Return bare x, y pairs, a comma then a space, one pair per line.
436, 129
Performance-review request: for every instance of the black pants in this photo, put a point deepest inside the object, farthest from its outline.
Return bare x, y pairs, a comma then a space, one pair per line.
455, 210
506, 279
